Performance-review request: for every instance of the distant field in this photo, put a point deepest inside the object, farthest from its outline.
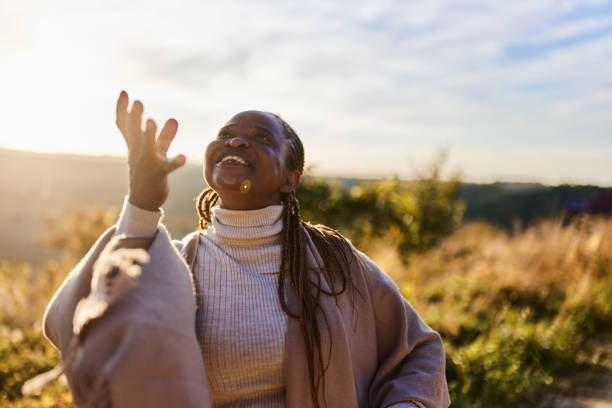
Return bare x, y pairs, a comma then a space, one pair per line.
35, 187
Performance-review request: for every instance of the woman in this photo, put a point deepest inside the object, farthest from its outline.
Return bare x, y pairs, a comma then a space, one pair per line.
288, 314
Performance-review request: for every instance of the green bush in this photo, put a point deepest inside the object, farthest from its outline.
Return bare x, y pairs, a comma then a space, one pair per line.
26, 290
413, 215
23, 354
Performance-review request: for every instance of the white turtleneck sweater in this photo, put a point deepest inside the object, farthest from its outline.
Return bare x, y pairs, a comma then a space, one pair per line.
241, 326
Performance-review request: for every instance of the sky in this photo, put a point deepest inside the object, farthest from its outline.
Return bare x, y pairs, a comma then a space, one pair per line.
512, 91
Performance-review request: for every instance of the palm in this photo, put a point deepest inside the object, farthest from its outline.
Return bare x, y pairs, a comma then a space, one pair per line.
147, 154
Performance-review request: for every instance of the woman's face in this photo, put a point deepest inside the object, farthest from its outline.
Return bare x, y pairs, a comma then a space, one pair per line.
249, 149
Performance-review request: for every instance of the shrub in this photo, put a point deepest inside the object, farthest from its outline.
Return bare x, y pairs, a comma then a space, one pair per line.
516, 312
413, 216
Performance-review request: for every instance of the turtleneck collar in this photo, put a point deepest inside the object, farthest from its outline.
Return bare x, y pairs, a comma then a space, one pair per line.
250, 228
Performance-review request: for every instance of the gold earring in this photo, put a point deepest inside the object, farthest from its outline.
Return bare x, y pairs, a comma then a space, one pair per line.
245, 186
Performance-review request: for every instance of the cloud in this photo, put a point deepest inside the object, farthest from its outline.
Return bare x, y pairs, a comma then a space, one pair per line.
380, 78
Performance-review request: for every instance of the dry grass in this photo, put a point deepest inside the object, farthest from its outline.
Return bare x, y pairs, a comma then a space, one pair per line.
24, 293
515, 311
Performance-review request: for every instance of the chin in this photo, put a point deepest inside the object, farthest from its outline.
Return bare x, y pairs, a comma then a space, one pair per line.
221, 180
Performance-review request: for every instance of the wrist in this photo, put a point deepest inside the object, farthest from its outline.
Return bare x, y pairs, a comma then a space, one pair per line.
143, 196
137, 222
147, 194
143, 204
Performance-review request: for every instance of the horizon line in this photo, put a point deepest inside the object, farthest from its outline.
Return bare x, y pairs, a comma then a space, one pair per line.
339, 175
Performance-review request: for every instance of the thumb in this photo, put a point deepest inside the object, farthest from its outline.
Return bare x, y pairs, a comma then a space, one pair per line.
175, 163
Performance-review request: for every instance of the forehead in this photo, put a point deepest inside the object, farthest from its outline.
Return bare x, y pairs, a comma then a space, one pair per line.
257, 119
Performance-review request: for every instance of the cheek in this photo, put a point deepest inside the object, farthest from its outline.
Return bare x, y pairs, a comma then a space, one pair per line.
208, 161
275, 173
274, 161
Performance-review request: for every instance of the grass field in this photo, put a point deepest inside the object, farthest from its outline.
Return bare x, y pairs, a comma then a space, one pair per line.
526, 318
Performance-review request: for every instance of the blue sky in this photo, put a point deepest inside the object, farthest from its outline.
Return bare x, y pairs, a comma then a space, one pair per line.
516, 91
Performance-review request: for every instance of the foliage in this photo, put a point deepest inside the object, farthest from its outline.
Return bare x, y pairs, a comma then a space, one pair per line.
413, 215
516, 313
23, 350
23, 354
25, 291
75, 232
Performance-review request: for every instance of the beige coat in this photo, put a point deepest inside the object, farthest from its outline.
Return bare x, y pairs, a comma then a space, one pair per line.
139, 353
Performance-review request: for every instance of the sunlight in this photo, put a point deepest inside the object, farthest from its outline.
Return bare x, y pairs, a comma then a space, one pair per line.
44, 88
357, 87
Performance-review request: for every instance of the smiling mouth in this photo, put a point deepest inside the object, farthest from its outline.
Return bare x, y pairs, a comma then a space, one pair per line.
233, 160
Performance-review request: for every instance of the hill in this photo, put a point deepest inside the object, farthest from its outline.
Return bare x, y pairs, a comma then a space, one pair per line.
36, 187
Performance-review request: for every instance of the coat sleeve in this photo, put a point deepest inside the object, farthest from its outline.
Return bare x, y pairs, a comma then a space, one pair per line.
141, 350
411, 358
57, 320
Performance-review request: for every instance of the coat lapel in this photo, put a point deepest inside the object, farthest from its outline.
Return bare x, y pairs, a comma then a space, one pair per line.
338, 388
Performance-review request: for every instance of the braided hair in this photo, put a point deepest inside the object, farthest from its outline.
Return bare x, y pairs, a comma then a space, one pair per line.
333, 248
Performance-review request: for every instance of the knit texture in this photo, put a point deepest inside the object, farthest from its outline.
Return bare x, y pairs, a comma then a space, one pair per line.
241, 325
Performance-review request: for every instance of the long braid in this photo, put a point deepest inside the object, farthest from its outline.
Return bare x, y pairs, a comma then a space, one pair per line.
334, 250
206, 200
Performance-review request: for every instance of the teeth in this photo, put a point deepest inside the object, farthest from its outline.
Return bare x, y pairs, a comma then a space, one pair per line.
233, 158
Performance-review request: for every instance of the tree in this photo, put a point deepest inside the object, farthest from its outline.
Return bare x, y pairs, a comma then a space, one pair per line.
414, 214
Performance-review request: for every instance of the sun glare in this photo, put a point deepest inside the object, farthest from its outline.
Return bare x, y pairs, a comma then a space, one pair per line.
47, 97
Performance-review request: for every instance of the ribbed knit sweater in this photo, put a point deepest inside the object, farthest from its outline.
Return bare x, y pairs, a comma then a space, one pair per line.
242, 326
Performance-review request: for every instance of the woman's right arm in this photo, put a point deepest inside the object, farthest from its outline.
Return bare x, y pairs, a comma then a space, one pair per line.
149, 167
138, 224
123, 318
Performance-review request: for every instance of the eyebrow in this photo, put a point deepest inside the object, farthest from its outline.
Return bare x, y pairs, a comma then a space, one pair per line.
250, 127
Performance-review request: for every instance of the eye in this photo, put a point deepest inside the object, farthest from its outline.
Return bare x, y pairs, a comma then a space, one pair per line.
224, 134
262, 137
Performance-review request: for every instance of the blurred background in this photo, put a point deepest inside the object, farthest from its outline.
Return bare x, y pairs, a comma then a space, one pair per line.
466, 146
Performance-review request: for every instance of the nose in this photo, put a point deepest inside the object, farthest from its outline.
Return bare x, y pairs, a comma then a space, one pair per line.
238, 141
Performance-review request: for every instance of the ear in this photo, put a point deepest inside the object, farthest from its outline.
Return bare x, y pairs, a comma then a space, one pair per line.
292, 179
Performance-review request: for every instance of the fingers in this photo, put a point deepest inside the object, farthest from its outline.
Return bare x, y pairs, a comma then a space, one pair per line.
130, 124
176, 162
171, 165
167, 135
134, 121
149, 144
149, 137
121, 112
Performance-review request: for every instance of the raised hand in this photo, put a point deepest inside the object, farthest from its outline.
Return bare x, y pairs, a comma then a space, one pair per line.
147, 155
